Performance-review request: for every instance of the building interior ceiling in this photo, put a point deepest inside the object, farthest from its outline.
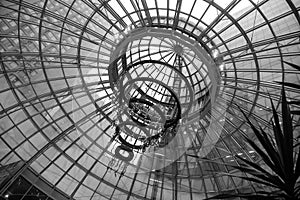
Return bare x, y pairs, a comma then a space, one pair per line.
138, 99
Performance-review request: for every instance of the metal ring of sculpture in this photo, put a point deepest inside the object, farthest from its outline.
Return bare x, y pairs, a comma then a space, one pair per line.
121, 156
131, 83
117, 81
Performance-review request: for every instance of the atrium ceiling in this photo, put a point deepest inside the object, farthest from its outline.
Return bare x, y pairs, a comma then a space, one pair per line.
138, 99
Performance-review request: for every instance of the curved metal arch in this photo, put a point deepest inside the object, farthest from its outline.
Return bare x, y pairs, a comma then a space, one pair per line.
294, 9
249, 44
87, 84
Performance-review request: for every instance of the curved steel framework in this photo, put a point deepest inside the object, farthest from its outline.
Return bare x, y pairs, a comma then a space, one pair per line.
57, 118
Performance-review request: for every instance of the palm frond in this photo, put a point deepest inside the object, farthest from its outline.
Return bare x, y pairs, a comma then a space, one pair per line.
295, 112
270, 157
259, 195
292, 85
294, 102
288, 139
297, 166
257, 171
292, 65
278, 156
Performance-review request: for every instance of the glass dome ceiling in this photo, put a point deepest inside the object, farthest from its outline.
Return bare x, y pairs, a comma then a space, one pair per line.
138, 99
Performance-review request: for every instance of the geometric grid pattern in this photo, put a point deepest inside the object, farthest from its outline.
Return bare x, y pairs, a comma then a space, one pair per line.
56, 112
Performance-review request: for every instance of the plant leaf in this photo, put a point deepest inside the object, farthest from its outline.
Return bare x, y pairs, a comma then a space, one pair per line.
288, 139
297, 166
295, 112
252, 179
292, 65
278, 137
293, 85
272, 153
260, 172
265, 179
265, 145
262, 154
278, 155
194, 156
256, 180
244, 195
294, 102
